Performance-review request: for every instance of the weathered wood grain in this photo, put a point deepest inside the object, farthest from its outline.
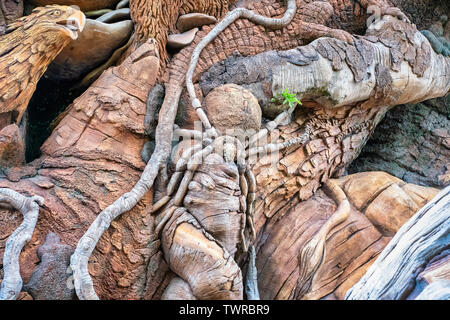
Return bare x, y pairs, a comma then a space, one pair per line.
424, 236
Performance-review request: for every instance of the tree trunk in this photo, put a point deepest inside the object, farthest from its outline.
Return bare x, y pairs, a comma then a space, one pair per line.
93, 156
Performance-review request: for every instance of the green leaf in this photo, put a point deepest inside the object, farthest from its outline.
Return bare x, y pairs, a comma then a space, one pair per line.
289, 98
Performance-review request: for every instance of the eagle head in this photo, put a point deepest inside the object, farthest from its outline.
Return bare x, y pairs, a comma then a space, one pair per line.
27, 48
67, 20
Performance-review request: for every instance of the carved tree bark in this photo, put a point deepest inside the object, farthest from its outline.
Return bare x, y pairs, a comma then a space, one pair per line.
93, 156
156, 19
424, 236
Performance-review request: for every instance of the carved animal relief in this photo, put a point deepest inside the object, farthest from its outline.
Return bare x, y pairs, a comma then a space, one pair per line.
206, 152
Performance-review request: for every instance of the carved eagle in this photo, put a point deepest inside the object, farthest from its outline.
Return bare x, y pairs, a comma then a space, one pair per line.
26, 49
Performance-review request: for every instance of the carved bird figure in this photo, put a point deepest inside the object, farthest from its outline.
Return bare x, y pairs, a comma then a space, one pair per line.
27, 48
10, 10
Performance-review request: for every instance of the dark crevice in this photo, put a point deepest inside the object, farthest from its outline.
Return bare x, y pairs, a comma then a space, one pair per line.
49, 100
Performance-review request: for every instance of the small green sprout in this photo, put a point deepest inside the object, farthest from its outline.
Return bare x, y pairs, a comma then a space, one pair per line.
289, 98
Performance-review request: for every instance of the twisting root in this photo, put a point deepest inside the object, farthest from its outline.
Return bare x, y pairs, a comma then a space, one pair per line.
164, 133
192, 166
269, 127
231, 17
79, 261
312, 254
164, 220
251, 197
29, 207
176, 177
160, 203
251, 282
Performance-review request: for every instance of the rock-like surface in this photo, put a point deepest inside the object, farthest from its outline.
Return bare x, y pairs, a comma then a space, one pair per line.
51, 280
93, 46
194, 20
12, 149
411, 143
85, 5
181, 40
232, 106
115, 15
350, 248
421, 239
126, 263
423, 12
395, 200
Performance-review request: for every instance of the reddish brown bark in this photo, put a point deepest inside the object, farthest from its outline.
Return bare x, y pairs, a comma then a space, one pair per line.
93, 157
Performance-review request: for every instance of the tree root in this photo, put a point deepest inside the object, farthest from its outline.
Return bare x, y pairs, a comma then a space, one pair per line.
312, 254
29, 207
231, 17
393, 274
164, 133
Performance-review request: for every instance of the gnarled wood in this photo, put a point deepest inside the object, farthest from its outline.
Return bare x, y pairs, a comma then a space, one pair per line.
146, 54
29, 207
424, 236
95, 147
149, 24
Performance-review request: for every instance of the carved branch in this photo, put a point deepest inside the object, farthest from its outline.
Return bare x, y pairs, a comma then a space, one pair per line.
349, 80
425, 235
221, 26
164, 133
79, 260
312, 254
251, 283
364, 72
29, 207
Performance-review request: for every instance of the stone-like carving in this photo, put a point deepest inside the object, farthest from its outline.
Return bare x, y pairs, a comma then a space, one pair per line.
51, 280
340, 110
26, 50
94, 45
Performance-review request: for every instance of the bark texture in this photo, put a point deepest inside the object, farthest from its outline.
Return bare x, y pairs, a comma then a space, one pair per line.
412, 143
97, 146
29, 208
423, 237
350, 248
155, 19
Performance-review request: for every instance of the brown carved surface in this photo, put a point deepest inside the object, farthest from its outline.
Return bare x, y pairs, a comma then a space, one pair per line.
350, 248
158, 18
93, 157
26, 50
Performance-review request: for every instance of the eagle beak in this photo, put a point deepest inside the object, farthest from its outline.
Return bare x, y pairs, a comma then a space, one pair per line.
76, 23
